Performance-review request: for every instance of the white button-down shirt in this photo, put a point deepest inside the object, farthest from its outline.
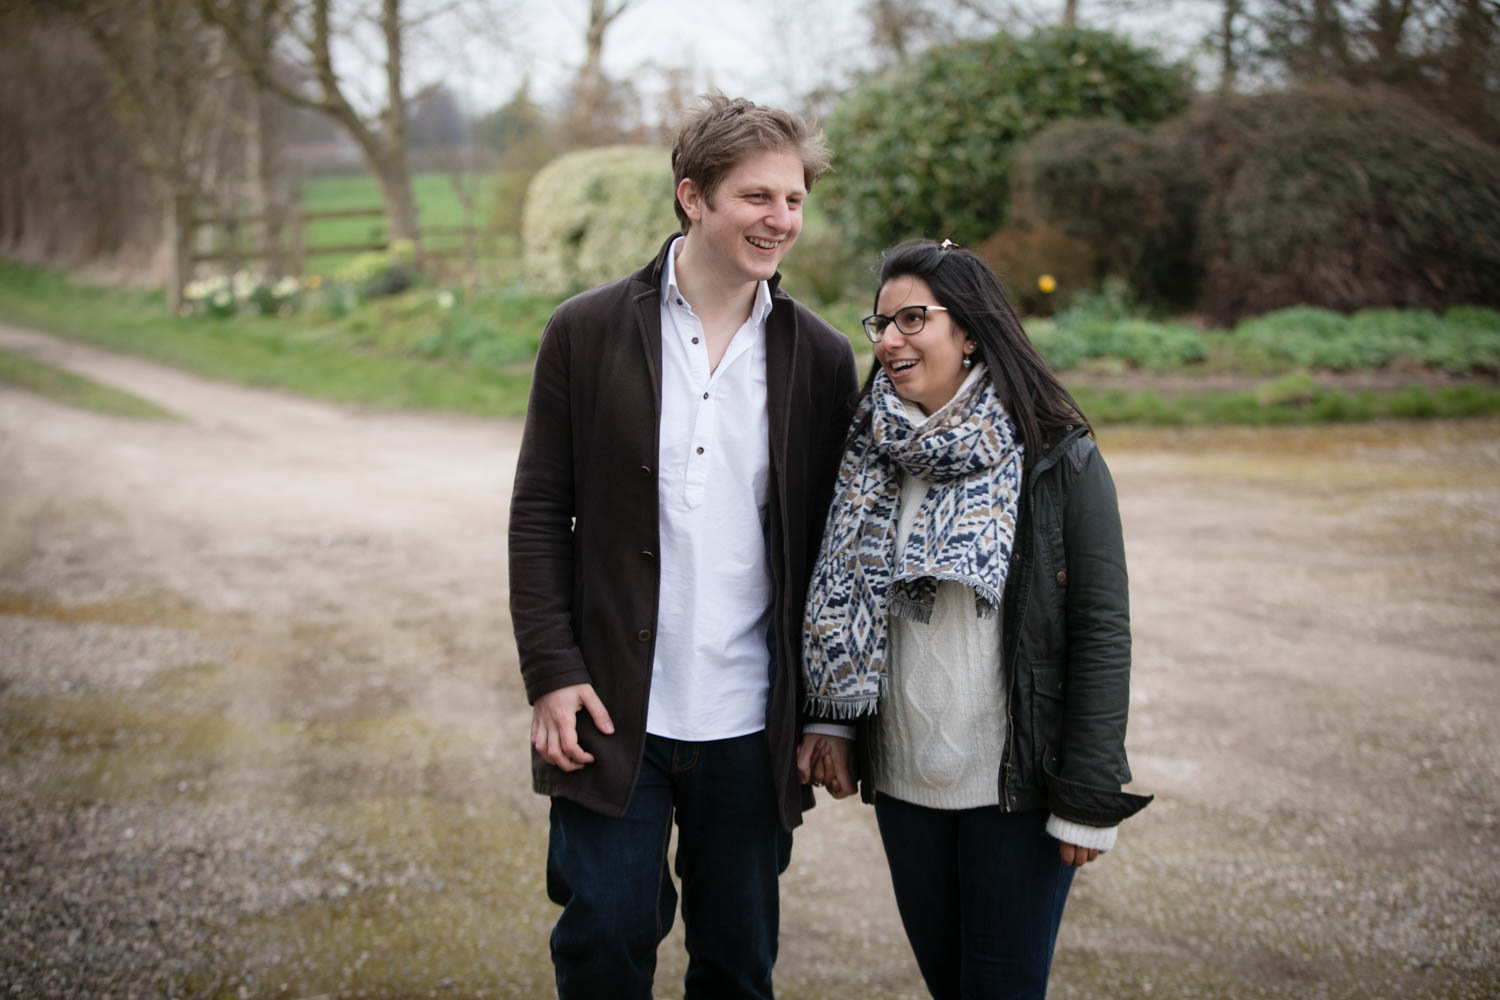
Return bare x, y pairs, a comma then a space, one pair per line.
712, 672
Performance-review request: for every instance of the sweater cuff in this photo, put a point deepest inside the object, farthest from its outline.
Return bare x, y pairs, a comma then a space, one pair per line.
828, 729
1098, 838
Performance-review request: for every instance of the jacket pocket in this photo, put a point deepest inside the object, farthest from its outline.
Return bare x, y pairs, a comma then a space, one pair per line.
1048, 681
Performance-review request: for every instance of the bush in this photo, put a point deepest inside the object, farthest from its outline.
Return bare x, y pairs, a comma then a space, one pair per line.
1460, 341
1120, 192
1021, 258
1339, 199
379, 273
595, 215
1102, 325
821, 268
928, 151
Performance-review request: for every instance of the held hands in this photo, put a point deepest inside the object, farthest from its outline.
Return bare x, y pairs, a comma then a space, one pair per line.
1077, 856
554, 725
825, 760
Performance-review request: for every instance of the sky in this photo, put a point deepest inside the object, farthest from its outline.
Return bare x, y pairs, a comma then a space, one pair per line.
771, 51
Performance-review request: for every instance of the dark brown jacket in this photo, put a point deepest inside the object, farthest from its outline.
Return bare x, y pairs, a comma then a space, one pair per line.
584, 584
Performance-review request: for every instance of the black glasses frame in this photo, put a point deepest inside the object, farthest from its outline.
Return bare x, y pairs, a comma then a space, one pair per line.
909, 321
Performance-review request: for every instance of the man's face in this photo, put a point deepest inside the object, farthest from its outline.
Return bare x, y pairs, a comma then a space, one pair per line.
754, 219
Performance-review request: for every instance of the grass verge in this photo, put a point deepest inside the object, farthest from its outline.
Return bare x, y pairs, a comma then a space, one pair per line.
428, 349
73, 390
1263, 408
364, 358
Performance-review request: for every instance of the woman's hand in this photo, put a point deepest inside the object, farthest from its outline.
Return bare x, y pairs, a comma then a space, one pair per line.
826, 760
1077, 856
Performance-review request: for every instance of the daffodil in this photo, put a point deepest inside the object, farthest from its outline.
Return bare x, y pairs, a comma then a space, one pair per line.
1047, 284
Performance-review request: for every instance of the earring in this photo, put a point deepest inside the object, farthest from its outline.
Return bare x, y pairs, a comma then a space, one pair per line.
968, 362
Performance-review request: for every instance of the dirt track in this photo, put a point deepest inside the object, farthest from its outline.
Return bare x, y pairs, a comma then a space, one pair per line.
263, 733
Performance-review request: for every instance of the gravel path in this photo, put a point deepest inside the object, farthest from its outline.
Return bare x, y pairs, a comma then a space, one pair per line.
263, 734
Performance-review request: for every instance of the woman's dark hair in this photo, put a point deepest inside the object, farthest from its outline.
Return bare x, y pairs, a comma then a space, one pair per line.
963, 284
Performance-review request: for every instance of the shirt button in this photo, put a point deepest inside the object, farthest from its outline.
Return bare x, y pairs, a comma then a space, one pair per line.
1062, 577
679, 302
705, 395
695, 340
700, 451
644, 635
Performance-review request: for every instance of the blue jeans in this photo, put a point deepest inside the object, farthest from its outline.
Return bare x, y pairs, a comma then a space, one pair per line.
981, 894
610, 875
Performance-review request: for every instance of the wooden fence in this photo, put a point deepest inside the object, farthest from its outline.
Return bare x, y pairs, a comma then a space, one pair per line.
278, 245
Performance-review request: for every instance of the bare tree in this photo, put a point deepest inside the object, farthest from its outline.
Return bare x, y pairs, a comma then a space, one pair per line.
380, 136
169, 70
76, 194
597, 102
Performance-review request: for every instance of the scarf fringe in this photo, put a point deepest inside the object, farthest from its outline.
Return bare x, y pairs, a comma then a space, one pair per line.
912, 611
841, 709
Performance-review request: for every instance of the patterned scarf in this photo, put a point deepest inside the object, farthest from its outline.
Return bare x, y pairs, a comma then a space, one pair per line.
963, 531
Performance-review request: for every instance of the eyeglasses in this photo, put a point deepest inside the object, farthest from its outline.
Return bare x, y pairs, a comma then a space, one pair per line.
908, 319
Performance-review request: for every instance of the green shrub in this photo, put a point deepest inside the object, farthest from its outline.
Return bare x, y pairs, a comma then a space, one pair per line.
1023, 257
822, 269
1460, 341
1340, 199
928, 151
1122, 193
507, 201
379, 273
1103, 325
595, 215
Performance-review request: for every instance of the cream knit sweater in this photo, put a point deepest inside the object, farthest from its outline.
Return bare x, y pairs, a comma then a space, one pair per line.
941, 728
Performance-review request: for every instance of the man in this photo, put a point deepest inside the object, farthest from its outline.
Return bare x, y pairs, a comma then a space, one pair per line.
681, 440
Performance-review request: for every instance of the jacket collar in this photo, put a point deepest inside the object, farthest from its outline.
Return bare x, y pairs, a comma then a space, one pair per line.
782, 341
651, 274
1056, 451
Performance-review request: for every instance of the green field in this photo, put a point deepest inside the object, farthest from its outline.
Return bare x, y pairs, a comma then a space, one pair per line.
438, 206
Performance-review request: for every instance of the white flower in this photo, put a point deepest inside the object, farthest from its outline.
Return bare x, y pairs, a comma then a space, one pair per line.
446, 299
244, 284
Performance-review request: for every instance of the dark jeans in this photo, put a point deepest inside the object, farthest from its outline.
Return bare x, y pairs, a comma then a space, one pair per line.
610, 875
981, 894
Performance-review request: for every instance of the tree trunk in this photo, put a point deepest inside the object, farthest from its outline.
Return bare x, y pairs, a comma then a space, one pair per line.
394, 178
393, 168
260, 181
1070, 14
178, 226
1228, 58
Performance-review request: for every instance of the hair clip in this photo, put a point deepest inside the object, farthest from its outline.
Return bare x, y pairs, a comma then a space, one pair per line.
949, 245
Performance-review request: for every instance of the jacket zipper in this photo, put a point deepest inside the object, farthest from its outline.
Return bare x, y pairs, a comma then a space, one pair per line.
1010, 702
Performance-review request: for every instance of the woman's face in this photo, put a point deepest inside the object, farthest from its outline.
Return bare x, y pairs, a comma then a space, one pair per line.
926, 367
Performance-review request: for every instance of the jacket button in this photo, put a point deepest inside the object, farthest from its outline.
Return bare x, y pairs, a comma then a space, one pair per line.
1062, 577
647, 554
644, 635
645, 471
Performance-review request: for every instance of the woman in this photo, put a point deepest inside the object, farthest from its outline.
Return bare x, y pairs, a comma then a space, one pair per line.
968, 611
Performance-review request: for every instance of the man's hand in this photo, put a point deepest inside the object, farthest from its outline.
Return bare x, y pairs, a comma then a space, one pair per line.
1077, 856
554, 725
826, 760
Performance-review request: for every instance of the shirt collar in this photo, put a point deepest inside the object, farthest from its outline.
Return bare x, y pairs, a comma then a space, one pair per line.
672, 295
